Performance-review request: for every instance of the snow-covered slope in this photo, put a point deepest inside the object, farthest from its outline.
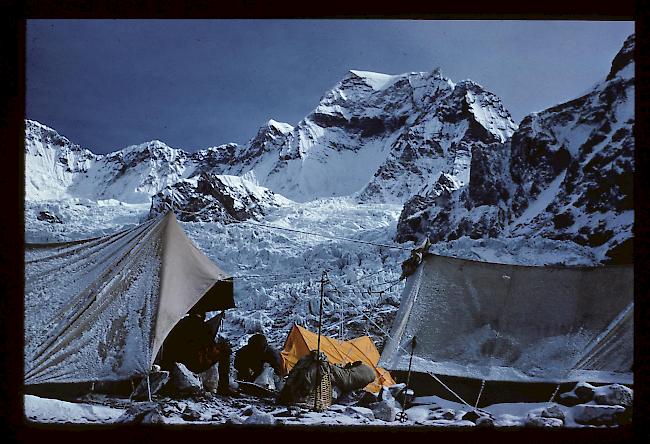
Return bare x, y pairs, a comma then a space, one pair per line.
58, 169
381, 137
566, 174
384, 137
53, 163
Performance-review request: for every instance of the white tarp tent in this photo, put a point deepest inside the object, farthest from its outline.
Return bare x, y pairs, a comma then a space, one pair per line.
515, 323
99, 309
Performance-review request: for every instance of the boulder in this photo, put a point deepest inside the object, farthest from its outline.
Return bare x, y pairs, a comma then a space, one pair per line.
49, 217
540, 421
366, 399
584, 391
569, 399
447, 414
191, 414
184, 381
384, 410
360, 411
485, 421
553, 412
614, 394
234, 418
210, 379
261, 418
140, 412
476, 415
396, 389
594, 414
385, 395
157, 380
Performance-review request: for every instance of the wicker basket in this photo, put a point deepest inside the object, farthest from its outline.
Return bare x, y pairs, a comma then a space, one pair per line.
320, 398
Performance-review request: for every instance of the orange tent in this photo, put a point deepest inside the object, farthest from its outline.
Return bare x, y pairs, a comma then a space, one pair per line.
300, 341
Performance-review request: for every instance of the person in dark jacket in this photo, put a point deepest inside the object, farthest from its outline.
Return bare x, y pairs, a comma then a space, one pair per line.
191, 342
250, 359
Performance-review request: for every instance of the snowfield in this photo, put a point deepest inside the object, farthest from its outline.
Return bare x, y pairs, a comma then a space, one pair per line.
277, 282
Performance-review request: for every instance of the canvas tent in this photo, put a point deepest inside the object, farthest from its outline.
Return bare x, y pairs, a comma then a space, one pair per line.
99, 309
495, 322
300, 341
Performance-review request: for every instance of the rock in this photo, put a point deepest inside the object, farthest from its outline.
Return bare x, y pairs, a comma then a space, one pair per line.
385, 395
366, 399
396, 389
234, 418
614, 394
485, 421
157, 380
553, 412
248, 411
447, 414
137, 413
540, 421
471, 416
569, 399
265, 379
210, 378
153, 417
475, 416
261, 418
191, 414
353, 397
584, 391
361, 411
184, 381
49, 217
593, 414
384, 410
289, 414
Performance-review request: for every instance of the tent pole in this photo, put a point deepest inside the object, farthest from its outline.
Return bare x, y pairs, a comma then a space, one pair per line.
148, 388
320, 322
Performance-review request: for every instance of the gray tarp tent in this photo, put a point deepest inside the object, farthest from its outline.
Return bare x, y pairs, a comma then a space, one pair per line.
515, 323
99, 309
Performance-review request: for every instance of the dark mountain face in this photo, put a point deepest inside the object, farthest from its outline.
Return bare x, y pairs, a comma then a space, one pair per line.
565, 174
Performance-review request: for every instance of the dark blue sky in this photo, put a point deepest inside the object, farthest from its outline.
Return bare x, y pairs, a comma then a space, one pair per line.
106, 84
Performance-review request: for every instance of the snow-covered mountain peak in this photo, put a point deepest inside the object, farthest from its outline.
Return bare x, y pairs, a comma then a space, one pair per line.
623, 63
375, 80
155, 148
284, 128
565, 174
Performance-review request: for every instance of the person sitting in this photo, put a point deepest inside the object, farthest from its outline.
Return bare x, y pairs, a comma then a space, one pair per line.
250, 359
191, 343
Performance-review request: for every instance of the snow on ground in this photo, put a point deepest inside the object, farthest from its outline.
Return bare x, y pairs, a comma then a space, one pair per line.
277, 282
55, 411
210, 409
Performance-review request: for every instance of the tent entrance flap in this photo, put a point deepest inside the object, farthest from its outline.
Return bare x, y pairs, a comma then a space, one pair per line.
515, 323
218, 297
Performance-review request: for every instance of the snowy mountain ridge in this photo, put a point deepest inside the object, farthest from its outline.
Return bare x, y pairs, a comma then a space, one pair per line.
449, 152
565, 174
358, 140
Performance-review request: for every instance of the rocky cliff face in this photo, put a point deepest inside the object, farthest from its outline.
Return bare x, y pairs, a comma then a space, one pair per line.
382, 138
566, 174
210, 198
